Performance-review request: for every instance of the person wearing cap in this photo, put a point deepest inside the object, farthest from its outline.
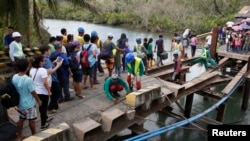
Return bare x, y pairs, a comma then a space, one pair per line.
77, 73
59, 38
99, 47
177, 45
135, 69
63, 72
185, 41
113, 85
16, 48
177, 67
80, 35
141, 51
7, 39
205, 58
108, 44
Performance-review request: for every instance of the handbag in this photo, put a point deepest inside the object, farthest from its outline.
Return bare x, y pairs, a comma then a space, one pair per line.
164, 55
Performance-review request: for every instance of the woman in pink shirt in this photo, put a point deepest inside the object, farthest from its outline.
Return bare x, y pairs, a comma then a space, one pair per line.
193, 44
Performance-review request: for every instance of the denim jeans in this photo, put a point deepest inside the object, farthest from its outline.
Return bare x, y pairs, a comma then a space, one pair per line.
65, 86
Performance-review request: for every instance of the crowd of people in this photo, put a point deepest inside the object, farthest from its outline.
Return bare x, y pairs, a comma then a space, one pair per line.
46, 79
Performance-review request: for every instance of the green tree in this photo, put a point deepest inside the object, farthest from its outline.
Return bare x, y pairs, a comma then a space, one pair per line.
26, 15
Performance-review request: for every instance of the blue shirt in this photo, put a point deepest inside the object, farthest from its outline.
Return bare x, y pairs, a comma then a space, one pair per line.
122, 44
24, 86
7, 40
159, 44
47, 65
65, 63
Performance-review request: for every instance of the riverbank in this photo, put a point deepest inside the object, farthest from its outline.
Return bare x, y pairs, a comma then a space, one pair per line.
165, 17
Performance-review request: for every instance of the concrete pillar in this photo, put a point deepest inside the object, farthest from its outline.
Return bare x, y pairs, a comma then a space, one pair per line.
188, 105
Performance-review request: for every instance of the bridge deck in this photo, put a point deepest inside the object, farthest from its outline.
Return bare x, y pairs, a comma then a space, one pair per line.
95, 107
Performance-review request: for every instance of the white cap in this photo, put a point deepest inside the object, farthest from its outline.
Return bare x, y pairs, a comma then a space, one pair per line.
16, 34
114, 76
110, 35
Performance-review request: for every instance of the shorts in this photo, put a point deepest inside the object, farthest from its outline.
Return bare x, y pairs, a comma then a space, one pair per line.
77, 75
150, 56
110, 63
29, 114
89, 71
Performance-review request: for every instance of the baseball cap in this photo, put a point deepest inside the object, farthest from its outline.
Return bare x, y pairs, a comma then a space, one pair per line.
16, 34
110, 35
75, 43
57, 44
94, 33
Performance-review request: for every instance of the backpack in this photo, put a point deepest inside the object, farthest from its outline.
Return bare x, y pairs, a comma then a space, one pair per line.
84, 57
106, 53
9, 95
73, 61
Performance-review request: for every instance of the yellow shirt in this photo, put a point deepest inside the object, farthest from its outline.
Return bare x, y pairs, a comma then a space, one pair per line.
64, 40
80, 39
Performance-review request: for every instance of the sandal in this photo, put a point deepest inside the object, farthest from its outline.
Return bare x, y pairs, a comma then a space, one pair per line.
80, 96
49, 119
45, 126
85, 87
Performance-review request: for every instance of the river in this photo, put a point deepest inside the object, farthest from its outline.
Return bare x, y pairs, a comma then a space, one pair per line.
233, 114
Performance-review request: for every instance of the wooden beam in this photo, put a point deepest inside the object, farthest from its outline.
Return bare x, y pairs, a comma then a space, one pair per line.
214, 42
233, 55
236, 78
210, 94
170, 65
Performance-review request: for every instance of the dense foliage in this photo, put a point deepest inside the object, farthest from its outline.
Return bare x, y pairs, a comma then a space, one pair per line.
155, 15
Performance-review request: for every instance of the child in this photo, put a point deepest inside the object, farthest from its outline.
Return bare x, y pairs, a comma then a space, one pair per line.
28, 97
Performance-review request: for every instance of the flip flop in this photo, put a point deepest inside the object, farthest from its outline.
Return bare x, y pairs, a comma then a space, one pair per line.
45, 126
49, 119
81, 96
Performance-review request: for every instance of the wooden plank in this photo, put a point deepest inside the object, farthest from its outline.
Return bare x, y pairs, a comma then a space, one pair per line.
221, 63
168, 73
233, 55
200, 79
170, 65
219, 81
210, 94
236, 78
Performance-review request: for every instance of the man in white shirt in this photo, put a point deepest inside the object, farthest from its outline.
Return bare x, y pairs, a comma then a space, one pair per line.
209, 39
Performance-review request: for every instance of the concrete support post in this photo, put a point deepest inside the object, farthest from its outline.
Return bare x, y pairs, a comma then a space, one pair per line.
188, 105
213, 47
221, 112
